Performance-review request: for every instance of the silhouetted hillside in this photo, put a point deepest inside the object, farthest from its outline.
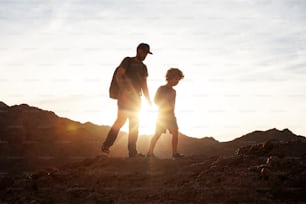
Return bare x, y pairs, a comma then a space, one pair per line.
259, 137
32, 138
3, 105
262, 136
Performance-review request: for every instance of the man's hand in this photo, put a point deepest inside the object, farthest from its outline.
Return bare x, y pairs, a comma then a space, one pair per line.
149, 102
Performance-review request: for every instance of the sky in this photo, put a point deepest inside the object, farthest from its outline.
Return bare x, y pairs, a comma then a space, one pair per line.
244, 61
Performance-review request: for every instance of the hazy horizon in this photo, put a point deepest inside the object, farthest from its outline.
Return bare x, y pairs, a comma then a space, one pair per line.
244, 61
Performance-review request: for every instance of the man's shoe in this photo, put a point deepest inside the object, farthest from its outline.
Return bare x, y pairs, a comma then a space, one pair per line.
177, 156
105, 150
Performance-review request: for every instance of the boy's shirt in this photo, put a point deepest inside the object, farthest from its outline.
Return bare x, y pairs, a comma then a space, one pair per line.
165, 100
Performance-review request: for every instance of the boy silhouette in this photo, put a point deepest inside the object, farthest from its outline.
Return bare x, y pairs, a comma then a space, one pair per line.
165, 100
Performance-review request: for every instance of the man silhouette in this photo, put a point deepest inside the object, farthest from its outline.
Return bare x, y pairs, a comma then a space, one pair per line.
132, 80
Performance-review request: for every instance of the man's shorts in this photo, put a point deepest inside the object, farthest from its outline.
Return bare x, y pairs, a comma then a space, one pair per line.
129, 102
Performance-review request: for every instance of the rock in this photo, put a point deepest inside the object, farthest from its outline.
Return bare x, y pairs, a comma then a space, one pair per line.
273, 161
265, 173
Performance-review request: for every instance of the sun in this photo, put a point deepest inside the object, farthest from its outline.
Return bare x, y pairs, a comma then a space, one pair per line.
147, 116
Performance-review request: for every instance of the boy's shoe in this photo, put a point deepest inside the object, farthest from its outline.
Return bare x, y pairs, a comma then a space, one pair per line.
138, 155
105, 150
151, 156
177, 156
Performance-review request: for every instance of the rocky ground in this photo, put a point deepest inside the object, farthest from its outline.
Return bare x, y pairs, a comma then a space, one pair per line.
272, 172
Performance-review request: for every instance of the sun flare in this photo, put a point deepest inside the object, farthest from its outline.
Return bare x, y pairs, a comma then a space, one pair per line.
147, 116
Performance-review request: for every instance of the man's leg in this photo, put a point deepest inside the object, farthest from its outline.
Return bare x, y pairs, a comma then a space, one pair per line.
133, 132
112, 134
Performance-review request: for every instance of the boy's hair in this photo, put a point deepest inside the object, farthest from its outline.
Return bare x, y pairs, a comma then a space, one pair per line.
173, 73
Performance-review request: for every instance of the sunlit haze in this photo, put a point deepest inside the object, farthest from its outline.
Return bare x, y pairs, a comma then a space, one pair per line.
244, 61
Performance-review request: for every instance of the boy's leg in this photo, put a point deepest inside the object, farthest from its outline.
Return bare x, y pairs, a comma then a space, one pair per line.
154, 139
113, 132
174, 132
173, 128
159, 129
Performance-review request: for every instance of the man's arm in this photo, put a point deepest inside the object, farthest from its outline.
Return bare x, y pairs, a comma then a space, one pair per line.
121, 72
157, 97
145, 90
120, 75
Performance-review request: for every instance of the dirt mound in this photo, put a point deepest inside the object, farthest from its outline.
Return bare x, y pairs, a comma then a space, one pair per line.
245, 177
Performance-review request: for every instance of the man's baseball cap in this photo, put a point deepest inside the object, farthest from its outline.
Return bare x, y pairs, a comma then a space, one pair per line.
145, 47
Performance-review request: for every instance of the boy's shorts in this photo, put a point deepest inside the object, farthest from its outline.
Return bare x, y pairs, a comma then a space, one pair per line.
163, 124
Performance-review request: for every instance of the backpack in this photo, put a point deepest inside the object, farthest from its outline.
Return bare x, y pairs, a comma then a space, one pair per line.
114, 87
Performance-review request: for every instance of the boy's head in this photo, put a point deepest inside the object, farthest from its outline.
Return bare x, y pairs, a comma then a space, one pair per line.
173, 76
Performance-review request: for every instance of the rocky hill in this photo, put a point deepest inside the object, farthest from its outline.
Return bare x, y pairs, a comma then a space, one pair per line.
49, 159
262, 136
31, 138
